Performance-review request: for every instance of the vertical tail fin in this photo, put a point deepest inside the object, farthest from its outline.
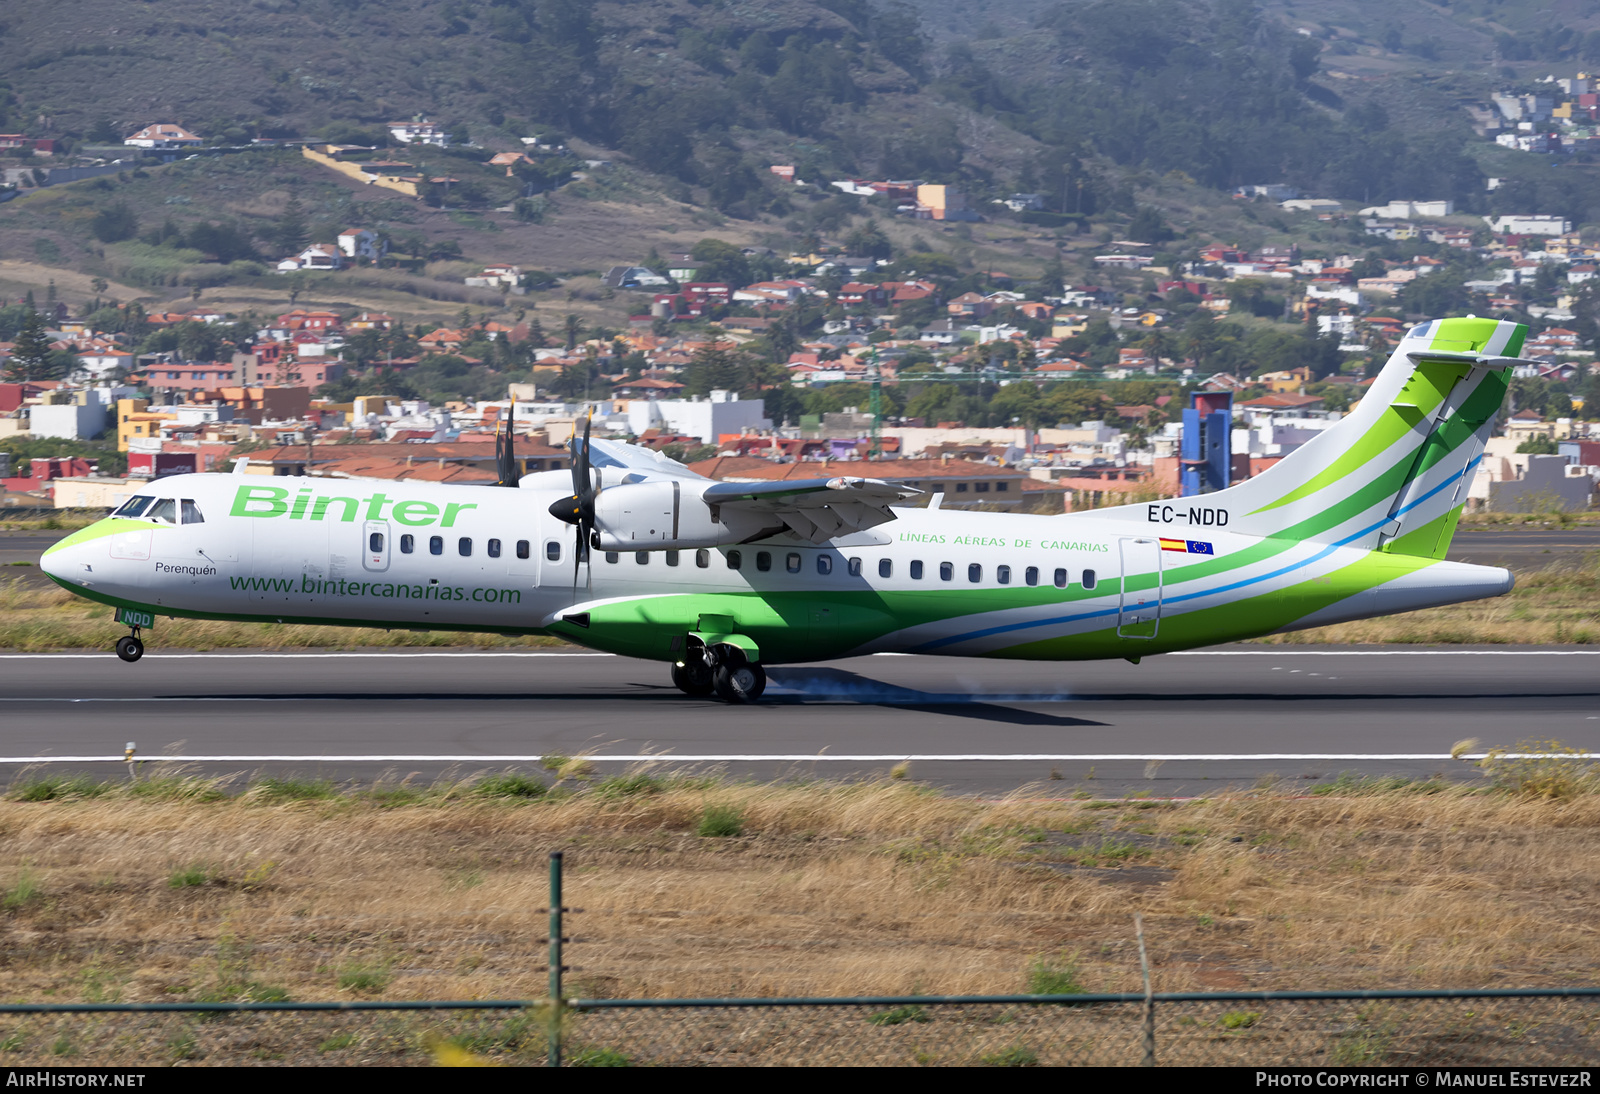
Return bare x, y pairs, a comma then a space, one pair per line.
1393, 474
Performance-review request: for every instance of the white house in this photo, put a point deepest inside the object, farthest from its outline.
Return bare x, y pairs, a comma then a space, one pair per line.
362, 243
318, 256
1528, 225
722, 413
419, 130
163, 135
497, 277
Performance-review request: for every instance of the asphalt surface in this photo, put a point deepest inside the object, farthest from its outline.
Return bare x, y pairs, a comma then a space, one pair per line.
1176, 725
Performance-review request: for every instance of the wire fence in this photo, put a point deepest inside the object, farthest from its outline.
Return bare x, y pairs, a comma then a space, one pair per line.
1527, 1028
1462, 1028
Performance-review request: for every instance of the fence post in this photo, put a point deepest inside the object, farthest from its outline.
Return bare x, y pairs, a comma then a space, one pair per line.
1149, 998
557, 1004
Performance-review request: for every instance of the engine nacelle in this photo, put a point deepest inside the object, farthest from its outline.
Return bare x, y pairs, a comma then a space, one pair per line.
667, 515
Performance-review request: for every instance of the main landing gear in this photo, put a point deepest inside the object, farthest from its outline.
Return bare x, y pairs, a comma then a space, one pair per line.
129, 646
723, 670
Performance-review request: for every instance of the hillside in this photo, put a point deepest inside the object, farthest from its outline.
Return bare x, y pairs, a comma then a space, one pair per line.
1102, 107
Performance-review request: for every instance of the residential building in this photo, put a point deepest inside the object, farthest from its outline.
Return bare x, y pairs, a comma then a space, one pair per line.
419, 130
318, 256
163, 135
362, 245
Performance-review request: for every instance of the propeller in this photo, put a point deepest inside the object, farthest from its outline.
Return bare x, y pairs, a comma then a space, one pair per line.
578, 510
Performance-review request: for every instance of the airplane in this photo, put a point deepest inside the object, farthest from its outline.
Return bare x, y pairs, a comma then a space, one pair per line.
632, 553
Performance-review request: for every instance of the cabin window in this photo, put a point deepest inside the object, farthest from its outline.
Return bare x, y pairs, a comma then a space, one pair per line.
436, 545
885, 567
408, 543
612, 556
1031, 575
791, 562
916, 569
1088, 579
165, 511
493, 547
702, 558
464, 546
855, 567
1061, 579
191, 512
642, 557
375, 543
763, 561
974, 573
735, 560
672, 558
134, 506
1002, 574
947, 571
824, 564
552, 549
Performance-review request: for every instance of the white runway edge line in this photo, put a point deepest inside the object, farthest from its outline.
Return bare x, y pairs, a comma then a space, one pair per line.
788, 757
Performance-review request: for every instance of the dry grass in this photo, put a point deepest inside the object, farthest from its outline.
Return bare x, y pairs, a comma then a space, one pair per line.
831, 889
1553, 606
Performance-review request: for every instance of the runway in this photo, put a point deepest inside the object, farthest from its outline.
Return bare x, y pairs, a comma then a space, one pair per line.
1176, 725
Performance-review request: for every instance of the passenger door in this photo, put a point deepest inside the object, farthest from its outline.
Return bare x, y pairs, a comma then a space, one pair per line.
1139, 605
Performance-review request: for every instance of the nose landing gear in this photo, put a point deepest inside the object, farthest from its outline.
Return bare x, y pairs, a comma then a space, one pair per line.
129, 647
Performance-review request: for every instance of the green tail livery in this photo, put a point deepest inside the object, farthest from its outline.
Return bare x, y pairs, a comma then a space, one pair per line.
632, 553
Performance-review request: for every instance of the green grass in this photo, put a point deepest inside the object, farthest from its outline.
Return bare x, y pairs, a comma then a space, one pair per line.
597, 1057
294, 789
630, 785
720, 820
338, 1041
1349, 784
1240, 1019
27, 891
196, 875
510, 784
1054, 976
899, 1016
365, 978
1012, 1056
54, 787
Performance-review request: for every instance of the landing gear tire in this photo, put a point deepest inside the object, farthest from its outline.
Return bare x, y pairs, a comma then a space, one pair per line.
129, 648
741, 683
693, 678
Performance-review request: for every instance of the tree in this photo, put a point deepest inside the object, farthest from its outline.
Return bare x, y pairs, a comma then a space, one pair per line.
30, 352
114, 223
717, 260
292, 232
573, 328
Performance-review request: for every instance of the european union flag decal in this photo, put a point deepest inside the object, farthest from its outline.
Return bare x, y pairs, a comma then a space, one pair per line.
1199, 547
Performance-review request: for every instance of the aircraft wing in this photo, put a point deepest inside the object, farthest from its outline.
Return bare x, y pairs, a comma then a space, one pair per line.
813, 509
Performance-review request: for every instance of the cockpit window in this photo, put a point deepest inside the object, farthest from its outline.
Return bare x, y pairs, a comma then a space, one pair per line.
191, 512
134, 506
165, 511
